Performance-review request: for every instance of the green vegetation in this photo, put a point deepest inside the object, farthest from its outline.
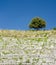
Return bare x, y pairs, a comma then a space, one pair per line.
37, 23
27, 61
54, 28
20, 63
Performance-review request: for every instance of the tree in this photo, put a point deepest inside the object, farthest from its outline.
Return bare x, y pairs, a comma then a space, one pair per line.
54, 28
37, 23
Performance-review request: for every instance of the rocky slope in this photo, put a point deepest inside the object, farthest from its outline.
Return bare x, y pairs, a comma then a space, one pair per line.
27, 47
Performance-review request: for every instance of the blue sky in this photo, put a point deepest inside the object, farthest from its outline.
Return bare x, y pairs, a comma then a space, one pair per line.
16, 14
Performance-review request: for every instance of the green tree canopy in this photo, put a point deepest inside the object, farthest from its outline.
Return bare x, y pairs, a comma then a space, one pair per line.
54, 28
37, 23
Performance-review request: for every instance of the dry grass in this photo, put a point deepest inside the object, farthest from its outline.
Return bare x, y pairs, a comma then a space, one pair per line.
17, 33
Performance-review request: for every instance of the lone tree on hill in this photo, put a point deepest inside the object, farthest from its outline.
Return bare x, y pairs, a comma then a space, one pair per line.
54, 28
37, 23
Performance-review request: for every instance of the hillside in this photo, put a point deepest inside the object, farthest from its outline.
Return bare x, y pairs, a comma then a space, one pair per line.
27, 47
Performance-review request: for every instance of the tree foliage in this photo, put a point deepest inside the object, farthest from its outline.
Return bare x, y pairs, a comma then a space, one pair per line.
54, 28
37, 23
